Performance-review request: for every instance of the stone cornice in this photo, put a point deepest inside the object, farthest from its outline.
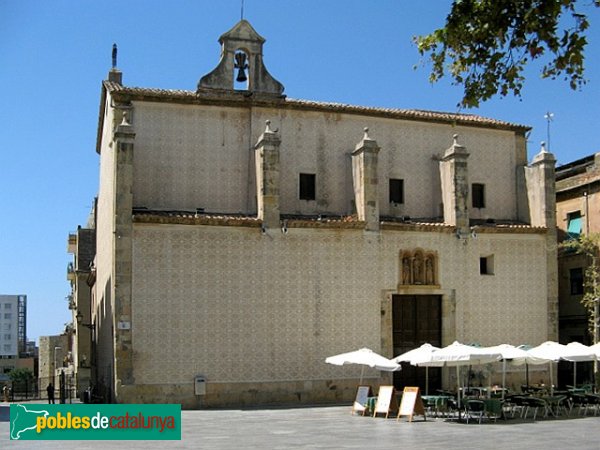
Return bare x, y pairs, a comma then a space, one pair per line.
245, 98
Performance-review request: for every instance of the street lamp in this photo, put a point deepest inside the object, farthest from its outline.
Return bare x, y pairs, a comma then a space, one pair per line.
79, 318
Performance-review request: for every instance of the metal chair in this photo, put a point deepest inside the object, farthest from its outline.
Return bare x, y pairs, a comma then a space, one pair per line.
592, 402
474, 409
535, 404
578, 400
516, 403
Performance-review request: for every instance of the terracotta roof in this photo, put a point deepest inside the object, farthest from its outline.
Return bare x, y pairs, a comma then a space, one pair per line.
184, 96
190, 218
508, 227
142, 215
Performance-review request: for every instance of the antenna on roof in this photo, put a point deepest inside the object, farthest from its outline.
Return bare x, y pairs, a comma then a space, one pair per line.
114, 56
242, 16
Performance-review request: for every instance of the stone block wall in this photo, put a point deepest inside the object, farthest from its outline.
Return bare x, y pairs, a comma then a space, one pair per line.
257, 314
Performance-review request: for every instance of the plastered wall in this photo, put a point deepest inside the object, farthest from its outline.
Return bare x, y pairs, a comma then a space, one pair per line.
190, 156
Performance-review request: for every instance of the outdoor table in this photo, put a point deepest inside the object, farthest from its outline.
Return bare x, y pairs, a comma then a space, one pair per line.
438, 402
476, 391
551, 404
554, 403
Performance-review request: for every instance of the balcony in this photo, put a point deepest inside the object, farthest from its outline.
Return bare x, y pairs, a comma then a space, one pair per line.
70, 271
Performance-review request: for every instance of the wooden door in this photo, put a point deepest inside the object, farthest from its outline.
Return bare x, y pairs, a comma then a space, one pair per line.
417, 319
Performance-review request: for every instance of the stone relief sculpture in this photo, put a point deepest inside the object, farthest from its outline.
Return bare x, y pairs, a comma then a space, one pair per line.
406, 269
418, 268
429, 279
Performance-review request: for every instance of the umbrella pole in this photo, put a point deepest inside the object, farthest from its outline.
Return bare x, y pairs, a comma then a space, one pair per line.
574, 374
458, 383
362, 371
527, 375
426, 380
469, 378
503, 377
551, 380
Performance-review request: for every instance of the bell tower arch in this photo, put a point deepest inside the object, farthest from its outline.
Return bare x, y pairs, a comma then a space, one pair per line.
241, 62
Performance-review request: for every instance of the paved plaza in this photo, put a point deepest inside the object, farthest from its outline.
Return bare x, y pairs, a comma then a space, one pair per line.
335, 428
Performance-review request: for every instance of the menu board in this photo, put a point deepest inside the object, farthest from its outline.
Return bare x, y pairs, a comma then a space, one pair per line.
411, 404
386, 401
360, 402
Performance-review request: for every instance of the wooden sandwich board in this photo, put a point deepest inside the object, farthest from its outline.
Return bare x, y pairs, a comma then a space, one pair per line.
360, 401
411, 404
386, 401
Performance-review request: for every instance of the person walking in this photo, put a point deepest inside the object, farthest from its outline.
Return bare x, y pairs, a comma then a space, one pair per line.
6, 393
50, 391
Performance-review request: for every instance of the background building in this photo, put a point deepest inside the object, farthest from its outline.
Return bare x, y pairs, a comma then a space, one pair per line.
54, 357
13, 332
82, 245
577, 206
243, 237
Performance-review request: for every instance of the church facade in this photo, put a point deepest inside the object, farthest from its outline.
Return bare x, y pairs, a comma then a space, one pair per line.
243, 237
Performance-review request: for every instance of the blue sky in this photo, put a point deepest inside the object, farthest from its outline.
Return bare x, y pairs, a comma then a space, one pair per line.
55, 54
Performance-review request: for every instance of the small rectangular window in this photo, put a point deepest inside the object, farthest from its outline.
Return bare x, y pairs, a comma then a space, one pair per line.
307, 186
478, 195
396, 191
7, 306
486, 265
576, 278
7, 337
7, 315
574, 224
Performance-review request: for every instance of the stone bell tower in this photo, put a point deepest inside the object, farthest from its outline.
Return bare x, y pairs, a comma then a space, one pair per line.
241, 61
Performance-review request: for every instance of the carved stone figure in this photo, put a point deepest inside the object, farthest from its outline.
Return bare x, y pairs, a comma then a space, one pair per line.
418, 269
429, 274
406, 270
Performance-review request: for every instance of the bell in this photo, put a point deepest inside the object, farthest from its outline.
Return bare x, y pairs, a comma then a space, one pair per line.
241, 76
240, 63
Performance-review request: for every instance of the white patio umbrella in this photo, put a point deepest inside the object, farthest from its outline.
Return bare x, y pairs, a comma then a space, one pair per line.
457, 355
364, 357
422, 353
577, 352
551, 351
516, 356
596, 349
